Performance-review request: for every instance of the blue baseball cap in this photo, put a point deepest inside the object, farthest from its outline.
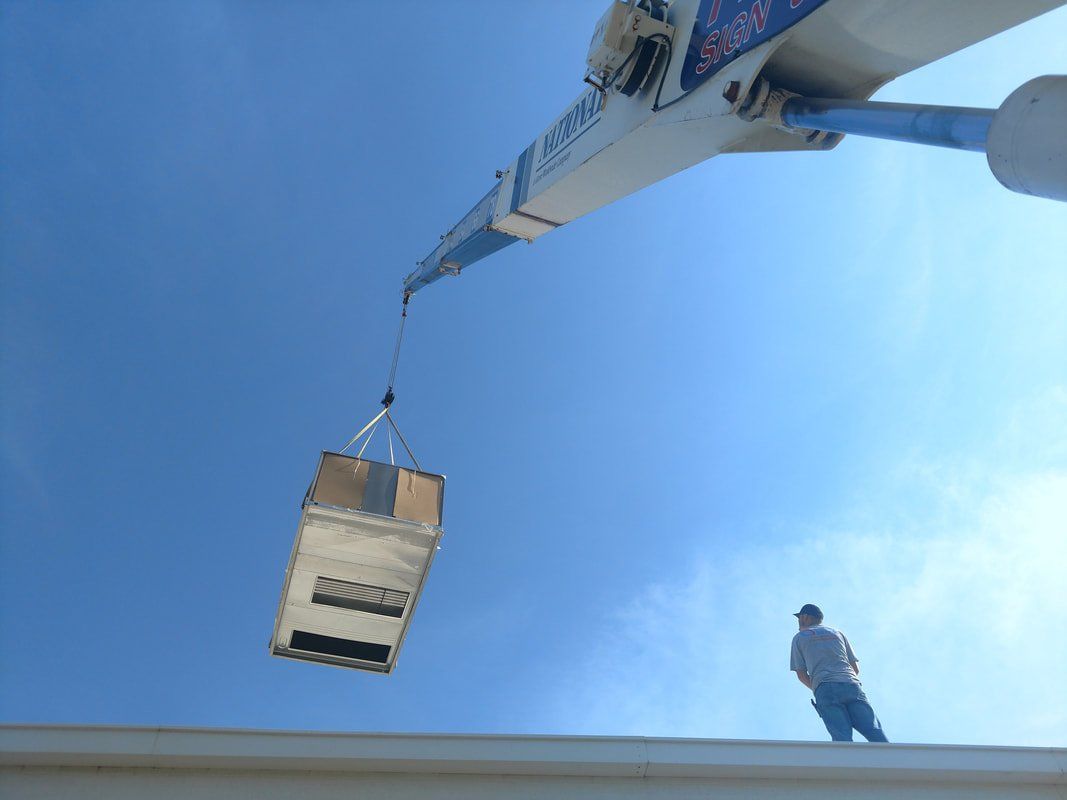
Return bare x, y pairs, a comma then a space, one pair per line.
810, 610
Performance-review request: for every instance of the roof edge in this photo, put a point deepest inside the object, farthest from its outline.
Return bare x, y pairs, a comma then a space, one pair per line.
610, 756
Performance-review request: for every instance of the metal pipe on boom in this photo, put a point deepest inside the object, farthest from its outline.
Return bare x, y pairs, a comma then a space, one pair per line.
940, 126
1024, 140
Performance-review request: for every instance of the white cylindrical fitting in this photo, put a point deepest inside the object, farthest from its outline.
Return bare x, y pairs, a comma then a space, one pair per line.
1027, 144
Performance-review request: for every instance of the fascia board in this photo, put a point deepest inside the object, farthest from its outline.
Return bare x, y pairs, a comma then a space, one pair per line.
694, 758
592, 756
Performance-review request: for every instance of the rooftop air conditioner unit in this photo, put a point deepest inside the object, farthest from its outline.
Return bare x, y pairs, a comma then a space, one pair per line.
367, 537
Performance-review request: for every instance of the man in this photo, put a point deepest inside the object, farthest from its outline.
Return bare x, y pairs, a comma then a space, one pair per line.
823, 660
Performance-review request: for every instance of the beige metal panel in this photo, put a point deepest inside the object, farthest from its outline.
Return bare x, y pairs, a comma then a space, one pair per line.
418, 497
341, 481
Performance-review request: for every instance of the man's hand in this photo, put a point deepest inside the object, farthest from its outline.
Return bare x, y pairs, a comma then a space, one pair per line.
802, 676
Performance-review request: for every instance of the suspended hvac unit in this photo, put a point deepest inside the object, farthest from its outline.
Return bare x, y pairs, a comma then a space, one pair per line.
367, 537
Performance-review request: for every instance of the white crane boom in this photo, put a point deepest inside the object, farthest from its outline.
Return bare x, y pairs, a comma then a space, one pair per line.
671, 85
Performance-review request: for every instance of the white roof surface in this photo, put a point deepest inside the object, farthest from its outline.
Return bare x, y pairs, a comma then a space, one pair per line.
618, 757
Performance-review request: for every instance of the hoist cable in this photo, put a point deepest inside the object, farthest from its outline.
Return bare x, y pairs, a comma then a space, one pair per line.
388, 399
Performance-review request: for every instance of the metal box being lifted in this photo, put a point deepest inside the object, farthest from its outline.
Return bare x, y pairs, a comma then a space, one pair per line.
367, 537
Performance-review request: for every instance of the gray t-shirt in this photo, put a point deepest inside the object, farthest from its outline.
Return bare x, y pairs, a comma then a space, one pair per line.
824, 654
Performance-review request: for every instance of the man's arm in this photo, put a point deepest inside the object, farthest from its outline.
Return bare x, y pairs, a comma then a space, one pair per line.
802, 676
850, 655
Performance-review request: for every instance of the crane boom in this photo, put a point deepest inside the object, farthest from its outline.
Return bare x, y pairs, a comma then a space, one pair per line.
671, 85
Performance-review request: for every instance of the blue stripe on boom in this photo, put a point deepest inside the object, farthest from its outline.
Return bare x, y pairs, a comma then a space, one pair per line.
478, 247
521, 187
520, 170
474, 248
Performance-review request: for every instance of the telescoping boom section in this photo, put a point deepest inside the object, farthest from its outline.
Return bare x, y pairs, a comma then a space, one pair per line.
671, 85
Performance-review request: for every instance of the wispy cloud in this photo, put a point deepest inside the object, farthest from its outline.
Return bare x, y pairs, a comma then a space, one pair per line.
957, 610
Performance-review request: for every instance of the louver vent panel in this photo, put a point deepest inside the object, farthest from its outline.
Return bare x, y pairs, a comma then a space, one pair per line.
345, 648
359, 597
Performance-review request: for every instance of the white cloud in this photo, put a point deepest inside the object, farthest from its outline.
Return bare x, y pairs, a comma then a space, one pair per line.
958, 615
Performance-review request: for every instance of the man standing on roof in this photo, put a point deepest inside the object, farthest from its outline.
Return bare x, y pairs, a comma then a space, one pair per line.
823, 660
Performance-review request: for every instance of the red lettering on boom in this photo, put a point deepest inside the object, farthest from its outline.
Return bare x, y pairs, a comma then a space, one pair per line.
713, 14
737, 30
758, 19
727, 45
709, 52
734, 35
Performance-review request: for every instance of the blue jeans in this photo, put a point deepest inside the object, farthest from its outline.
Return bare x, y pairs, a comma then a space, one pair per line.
844, 706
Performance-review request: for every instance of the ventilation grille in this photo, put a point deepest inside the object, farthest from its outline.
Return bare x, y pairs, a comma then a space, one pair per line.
359, 597
345, 648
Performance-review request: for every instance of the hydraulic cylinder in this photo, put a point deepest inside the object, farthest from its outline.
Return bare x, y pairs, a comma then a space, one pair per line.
1025, 140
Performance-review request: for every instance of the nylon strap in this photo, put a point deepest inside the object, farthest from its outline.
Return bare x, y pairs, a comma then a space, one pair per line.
359, 455
403, 441
366, 428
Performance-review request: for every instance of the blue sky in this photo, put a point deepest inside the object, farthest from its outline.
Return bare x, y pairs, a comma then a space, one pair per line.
835, 378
